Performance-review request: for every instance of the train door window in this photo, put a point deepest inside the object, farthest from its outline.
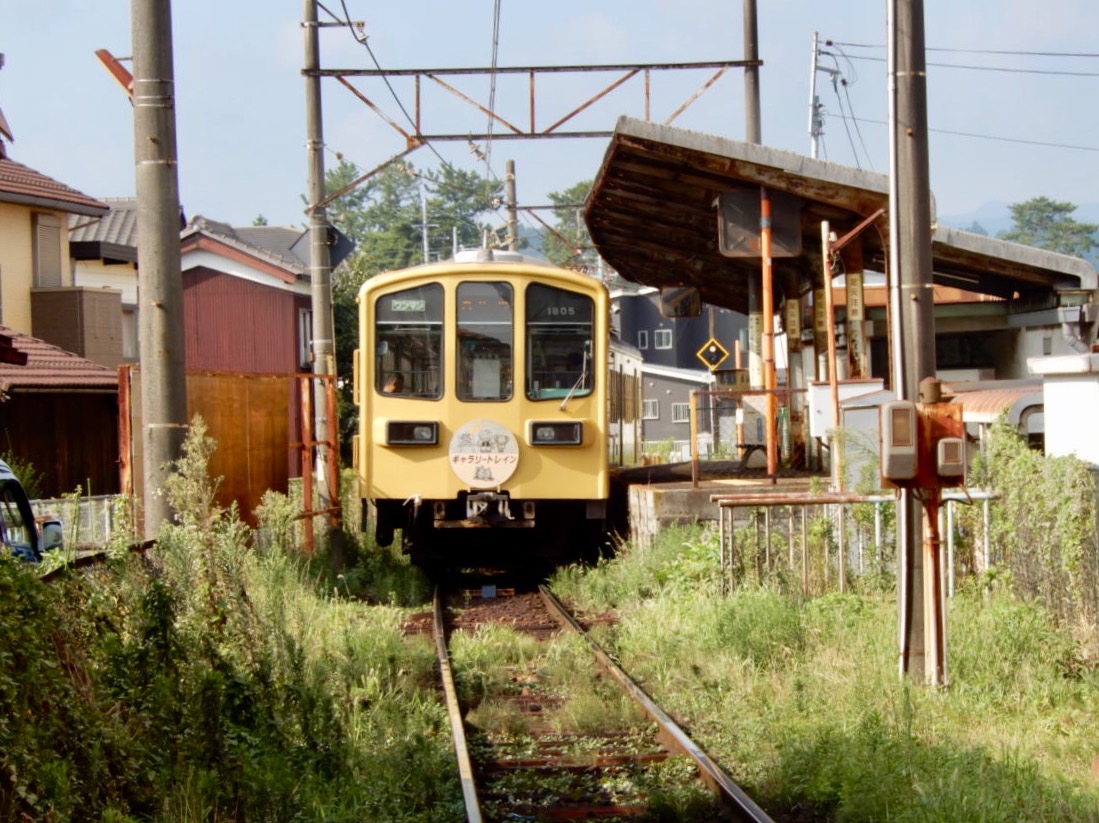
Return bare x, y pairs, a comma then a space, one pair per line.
485, 341
408, 334
560, 328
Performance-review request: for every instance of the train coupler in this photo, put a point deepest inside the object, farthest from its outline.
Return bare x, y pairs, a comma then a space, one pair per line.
487, 510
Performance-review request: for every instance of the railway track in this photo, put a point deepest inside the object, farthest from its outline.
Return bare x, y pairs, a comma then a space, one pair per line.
525, 751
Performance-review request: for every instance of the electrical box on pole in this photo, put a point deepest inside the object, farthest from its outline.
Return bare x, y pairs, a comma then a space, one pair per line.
922, 445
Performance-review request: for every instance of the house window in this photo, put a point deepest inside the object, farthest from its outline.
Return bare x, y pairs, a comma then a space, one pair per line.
305, 338
47, 250
642, 339
662, 338
650, 409
681, 412
129, 333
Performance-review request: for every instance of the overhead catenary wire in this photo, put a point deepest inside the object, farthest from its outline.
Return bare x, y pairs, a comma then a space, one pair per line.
365, 42
492, 80
485, 154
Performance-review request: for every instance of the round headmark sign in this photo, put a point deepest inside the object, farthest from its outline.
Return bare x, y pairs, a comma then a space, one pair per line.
483, 454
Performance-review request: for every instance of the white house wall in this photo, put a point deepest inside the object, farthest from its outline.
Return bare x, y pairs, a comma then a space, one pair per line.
216, 262
94, 274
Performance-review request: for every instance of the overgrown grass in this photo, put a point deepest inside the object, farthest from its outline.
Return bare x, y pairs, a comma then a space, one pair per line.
802, 702
224, 680
218, 682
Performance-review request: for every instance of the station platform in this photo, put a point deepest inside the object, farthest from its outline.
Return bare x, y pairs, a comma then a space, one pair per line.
664, 495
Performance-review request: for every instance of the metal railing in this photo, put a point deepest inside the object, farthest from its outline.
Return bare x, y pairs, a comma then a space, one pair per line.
822, 538
91, 520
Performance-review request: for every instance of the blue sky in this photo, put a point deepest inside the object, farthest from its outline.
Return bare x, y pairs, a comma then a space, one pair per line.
1001, 135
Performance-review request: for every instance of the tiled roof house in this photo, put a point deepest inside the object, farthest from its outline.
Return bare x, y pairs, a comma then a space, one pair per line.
58, 411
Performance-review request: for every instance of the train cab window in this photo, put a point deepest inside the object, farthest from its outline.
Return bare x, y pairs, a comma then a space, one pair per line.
560, 326
485, 341
408, 334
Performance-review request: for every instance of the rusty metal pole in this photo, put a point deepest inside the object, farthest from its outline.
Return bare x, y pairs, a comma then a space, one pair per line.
833, 377
163, 379
306, 456
768, 310
693, 417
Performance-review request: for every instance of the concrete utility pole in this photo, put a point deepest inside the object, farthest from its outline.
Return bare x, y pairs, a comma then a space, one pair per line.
914, 322
320, 266
761, 306
163, 382
752, 135
751, 74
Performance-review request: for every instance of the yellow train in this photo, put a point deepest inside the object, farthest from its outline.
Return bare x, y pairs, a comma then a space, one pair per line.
492, 402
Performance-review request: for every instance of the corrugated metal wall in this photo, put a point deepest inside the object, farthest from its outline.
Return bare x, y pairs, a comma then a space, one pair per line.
250, 417
232, 324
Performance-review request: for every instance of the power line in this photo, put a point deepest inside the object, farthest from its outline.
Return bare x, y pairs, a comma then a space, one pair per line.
846, 80
1006, 52
492, 80
971, 67
996, 137
1003, 69
362, 39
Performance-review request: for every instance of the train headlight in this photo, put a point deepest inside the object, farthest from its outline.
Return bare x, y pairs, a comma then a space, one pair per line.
412, 433
551, 433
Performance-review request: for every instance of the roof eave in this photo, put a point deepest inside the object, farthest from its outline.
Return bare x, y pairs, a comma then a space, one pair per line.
54, 203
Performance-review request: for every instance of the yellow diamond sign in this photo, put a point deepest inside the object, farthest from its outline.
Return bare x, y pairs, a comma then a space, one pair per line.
712, 353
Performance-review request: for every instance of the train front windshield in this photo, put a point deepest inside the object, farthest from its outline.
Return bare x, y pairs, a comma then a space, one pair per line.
485, 321
560, 327
408, 342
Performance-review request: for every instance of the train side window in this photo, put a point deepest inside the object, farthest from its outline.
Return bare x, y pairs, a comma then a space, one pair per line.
485, 341
408, 335
560, 328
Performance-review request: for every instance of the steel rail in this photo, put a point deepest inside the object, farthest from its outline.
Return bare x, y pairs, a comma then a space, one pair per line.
454, 712
712, 774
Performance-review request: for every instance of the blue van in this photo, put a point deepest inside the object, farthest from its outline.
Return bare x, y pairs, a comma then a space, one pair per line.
18, 528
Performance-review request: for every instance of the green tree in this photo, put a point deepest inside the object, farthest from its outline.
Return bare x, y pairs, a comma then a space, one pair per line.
384, 218
1048, 224
571, 246
458, 198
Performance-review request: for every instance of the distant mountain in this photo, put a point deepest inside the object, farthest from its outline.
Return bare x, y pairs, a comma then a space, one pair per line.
993, 216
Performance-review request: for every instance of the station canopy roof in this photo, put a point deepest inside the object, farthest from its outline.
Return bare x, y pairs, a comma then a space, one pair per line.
653, 215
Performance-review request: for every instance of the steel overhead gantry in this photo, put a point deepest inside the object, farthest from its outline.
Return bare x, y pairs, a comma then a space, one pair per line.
415, 137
